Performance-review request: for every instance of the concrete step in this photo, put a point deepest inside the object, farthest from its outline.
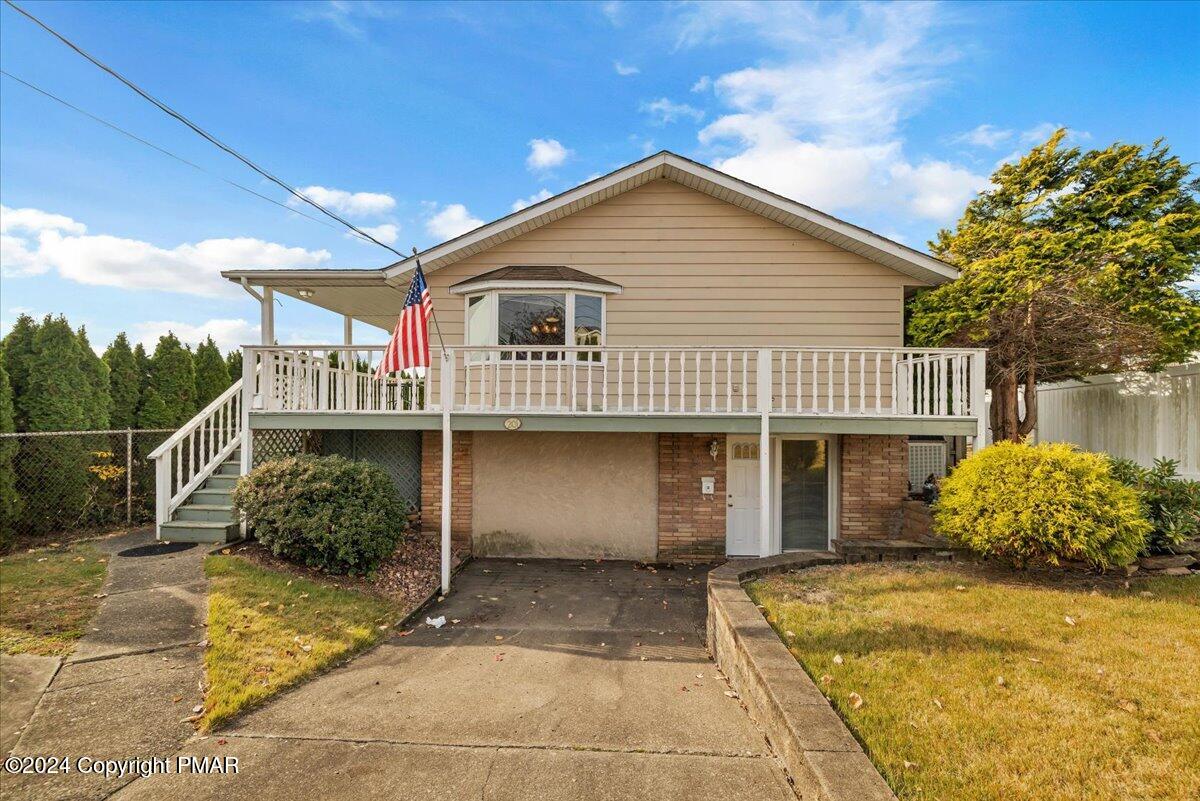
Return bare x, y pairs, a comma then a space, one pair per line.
205, 512
216, 496
199, 531
220, 482
231, 468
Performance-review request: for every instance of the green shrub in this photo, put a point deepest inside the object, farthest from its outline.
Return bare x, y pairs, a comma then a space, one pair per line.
323, 511
1172, 502
1028, 503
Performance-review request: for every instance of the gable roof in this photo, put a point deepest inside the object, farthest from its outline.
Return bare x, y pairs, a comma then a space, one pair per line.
696, 176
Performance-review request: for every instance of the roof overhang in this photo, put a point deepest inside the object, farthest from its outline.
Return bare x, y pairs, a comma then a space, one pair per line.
694, 175
362, 294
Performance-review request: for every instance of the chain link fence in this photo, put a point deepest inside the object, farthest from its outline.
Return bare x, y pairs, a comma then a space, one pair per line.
71, 481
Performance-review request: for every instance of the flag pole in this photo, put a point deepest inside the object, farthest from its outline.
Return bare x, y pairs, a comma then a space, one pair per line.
433, 315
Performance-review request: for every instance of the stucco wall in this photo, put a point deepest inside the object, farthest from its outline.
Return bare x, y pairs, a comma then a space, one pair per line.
568, 495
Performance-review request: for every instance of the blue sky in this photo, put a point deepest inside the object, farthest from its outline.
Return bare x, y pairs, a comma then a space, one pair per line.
420, 120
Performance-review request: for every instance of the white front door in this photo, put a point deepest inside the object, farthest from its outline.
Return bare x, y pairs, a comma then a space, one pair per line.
742, 503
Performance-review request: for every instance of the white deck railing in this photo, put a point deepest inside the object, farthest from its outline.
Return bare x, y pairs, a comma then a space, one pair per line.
191, 454
803, 381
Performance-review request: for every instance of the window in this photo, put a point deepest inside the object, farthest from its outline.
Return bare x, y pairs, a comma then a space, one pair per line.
526, 320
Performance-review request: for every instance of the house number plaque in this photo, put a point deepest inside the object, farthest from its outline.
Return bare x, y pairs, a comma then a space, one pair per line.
512, 423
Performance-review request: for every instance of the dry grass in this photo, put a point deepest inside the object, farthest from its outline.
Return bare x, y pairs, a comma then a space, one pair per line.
976, 686
269, 629
47, 598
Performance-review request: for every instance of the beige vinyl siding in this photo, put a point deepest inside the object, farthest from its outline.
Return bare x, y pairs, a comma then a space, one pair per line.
698, 271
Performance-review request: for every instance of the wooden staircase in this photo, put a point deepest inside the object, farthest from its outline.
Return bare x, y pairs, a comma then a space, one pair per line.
207, 513
195, 471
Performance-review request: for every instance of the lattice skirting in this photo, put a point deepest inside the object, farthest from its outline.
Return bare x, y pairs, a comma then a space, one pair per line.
397, 452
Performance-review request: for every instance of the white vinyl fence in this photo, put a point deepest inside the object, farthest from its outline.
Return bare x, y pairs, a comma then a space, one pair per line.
1136, 416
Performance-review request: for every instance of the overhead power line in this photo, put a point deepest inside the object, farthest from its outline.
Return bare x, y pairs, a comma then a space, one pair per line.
200, 131
164, 151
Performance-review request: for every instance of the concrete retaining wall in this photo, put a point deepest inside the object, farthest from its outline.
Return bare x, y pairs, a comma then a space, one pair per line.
824, 760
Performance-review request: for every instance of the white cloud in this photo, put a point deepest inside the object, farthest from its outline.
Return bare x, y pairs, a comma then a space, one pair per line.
702, 84
356, 204
614, 10
546, 154
103, 260
664, 111
227, 333
625, 69
822, 122
344, 15
536, 197
984, 135
643, 143
451, 221
385, 233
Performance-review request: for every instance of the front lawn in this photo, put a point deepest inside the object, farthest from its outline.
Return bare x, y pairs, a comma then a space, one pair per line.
964, 683
47, 597
270, 628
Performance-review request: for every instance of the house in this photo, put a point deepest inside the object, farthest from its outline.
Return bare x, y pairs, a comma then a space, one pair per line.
664, 363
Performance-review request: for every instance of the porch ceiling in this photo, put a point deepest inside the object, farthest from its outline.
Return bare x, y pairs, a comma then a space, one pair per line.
361, 294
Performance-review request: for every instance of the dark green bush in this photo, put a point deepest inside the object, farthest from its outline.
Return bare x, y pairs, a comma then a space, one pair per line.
1041, 503
1173, 503
323, 511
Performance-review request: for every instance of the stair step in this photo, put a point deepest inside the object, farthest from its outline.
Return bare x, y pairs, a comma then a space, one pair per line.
206, 512
233, 468
216, 496
199, 531
220, 482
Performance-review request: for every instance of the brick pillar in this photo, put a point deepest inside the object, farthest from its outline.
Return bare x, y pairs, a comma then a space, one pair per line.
691, 525
874, 484
431, 487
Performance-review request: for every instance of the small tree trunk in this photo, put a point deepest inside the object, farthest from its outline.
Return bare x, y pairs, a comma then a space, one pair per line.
1004, 417
1031, 408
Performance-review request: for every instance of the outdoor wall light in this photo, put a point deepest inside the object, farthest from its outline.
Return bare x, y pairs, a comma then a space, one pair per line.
305, 293
714, 447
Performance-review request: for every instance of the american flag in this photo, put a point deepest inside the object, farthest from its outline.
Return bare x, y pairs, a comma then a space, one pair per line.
409, 346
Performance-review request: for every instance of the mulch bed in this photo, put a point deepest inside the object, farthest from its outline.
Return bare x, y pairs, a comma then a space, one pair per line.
408, 576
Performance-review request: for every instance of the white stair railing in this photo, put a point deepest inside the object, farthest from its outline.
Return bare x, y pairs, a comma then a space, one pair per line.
193, 453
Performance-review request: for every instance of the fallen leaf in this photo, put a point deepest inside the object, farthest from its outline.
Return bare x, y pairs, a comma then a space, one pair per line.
1070, 621
837, 659
827, 679
198, 708
731, 694
909, 765
1128, 706
856, 701
1000, 681
959, 588
937, 703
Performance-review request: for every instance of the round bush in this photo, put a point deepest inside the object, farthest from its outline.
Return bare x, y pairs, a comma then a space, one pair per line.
323, 511
1025, 503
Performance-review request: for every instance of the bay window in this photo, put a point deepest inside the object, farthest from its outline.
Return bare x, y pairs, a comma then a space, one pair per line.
528, 319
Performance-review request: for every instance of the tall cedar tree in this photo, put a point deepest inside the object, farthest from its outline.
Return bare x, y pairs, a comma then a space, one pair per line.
99, 401
17, 357
143, 367
58, 394
124, 383
153, 412
233, 363
212, 376
1071, 265
10, 502
173, 379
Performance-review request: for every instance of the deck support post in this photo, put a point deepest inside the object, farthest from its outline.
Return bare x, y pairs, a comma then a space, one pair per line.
978, 399
267, 309
763, 396
447, 396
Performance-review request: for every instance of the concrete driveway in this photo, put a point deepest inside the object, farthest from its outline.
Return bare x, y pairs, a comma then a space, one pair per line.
550, 680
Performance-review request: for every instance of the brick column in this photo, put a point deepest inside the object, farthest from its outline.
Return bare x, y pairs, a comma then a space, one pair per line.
431, 487
691, 525
874, 484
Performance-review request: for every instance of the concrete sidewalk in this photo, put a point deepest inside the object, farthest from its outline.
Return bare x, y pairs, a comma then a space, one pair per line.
550, 680
115, 695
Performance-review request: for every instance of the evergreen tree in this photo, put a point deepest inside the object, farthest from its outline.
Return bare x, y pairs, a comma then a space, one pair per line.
124, 383
1073, 264
99, 401
154, 413
173, 379
212, 376
10, 502
142, 361
233, 363
17, 353
58, 394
